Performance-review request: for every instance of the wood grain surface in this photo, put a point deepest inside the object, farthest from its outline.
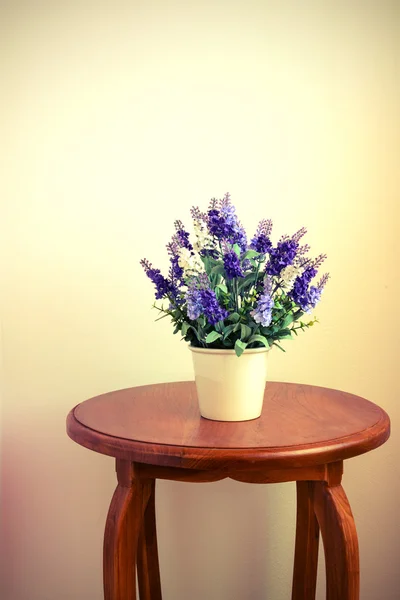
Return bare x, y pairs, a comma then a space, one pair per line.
301, 425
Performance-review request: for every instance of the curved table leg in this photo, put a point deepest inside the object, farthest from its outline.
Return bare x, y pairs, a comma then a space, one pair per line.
147, 562
306, 549
340, 542
123, 525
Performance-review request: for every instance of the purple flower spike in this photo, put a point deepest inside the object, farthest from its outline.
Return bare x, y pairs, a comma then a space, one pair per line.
202, 300
163, 286
213, 204
263, 311
300, 292
226, 201
318, 261
223, 223
323, 281
197, 215
176, 270
219, 225
212, 310
282, 256
182, 236
194, 304
261, 242
299, 234
314, 296
232, 265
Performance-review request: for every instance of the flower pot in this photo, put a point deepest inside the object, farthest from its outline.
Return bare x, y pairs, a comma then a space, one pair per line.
230, 388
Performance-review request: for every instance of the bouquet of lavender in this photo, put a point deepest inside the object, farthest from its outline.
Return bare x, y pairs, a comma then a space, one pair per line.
224, 292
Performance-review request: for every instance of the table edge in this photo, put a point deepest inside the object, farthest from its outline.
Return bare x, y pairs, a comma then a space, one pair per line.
198, 457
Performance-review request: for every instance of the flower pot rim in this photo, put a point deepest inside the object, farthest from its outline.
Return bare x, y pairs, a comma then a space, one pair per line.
227, 351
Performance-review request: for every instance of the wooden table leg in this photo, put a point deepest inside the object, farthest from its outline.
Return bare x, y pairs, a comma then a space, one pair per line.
340, 542
123, 525
147, 562
306, 550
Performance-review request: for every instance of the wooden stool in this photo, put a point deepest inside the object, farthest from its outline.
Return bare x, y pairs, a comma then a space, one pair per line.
304, 435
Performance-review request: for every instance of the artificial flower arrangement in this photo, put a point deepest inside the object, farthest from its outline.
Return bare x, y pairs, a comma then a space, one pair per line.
226, 293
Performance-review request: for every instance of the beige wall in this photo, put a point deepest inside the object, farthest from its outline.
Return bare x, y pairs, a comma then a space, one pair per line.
118, 116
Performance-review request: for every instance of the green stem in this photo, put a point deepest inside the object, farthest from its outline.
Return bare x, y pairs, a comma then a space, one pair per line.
278, 285
255, 280
236, 287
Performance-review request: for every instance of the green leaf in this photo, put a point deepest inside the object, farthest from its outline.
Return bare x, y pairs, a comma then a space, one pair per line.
234, 317
240, 347
185, 327
259, 338
228, 330
218, 269
266, 331
288, 320
280, 347
245, 331
222, 287
195, 332
247, 281
298, 314
163, 316
202, 321
236, 249
250, 254
284, 334
212, 336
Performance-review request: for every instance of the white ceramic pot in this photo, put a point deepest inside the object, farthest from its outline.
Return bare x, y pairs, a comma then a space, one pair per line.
230, 388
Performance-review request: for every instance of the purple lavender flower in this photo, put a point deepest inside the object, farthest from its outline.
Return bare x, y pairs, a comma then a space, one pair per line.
263, 311
164, 287
300, 292
211, 309
299, 234
317, 262
197, 215
322, 282
194, 304
314, 296
239, 237
176, 272
202, 300
281, 256
232, 265
182, 236
224, 224
218, 225
261, 242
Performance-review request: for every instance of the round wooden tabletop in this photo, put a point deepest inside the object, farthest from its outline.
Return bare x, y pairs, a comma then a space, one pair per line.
301, 425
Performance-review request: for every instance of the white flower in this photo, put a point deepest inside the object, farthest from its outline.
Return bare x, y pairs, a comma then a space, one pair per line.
190, 263
288, 275
204, 240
